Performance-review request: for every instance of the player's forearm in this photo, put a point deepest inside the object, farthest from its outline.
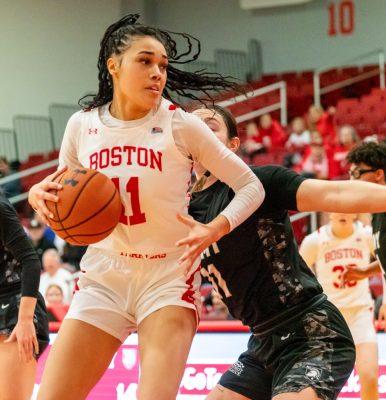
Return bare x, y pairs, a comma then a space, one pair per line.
373, 269
27, 308
341, 196
355, 196
220, 227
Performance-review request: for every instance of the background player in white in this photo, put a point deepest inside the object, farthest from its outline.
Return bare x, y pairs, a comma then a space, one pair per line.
329, 251
138, 278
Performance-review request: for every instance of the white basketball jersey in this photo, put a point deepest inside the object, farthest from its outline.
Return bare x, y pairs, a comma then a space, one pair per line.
334, 255
153, 178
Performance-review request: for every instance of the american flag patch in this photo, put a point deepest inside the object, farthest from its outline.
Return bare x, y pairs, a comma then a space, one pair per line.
156, 129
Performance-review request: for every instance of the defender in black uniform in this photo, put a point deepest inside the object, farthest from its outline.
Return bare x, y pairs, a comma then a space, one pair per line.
368, 164
301, 347
23, 317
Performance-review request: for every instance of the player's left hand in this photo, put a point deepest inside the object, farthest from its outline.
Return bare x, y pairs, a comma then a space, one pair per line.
200, 237
25, 334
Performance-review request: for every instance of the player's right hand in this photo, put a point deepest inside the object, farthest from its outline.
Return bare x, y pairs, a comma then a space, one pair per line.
40, 193
382, 317
352, 273
24, 334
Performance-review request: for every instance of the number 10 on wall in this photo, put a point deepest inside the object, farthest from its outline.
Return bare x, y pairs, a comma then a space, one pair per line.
341, 17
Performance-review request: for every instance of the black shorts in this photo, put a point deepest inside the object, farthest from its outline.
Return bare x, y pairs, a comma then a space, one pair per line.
9, 311
316, 351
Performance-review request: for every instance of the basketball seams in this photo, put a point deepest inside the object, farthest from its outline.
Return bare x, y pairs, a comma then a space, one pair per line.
87, 234
76, 198
91, 216
110, 205
56, 204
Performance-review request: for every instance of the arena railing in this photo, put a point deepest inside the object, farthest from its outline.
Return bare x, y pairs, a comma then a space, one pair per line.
25, 173
380, 70
281, 105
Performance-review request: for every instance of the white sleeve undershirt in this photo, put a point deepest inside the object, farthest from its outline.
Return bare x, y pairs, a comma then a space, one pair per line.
195, 141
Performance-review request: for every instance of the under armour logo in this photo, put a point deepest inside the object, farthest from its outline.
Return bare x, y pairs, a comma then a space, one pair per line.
92, 131
156, 129
73, 182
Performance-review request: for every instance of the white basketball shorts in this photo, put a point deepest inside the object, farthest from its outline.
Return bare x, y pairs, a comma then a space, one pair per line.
115, 293
360, 320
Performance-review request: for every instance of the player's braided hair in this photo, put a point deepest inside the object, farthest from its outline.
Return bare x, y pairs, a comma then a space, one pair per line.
371, 154
117, 39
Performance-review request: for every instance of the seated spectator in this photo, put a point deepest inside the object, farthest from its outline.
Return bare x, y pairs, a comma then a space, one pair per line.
252, 145
50, 235
323, 122
36, 234
297, 142
347, 140
12, 188
216, 308
271, 133
54, 295
315, 163
55, 274
299, 137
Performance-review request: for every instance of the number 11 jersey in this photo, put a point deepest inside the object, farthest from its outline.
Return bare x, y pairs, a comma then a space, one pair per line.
149, 171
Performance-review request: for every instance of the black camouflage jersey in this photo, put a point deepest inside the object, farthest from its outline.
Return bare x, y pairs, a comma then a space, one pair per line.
378, 224
257, 267
19, 263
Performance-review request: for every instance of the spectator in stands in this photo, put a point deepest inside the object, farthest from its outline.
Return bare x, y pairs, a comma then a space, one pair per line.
271, 133
323, 122
12, 188
216, 309
54, 295
337, 153
300, 137
297, 142
315, 163
55, 274
50, 235
253, 143
36, 234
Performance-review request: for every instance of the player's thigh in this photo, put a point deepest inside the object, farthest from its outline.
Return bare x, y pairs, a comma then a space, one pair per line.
305, 394
79, 357
222, 393
164, 339
16, 376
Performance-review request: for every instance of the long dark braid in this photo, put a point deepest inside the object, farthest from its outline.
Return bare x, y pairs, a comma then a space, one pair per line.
117, 39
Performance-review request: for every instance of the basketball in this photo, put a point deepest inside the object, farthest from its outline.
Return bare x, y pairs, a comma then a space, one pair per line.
88, 208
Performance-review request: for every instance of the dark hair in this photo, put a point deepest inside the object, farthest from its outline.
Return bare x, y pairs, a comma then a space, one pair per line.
227, 116
230, 123
117, 39
371, 154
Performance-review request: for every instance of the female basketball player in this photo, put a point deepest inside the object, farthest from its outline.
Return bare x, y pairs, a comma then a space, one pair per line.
23, 321
329, 251
138, 278
301, 348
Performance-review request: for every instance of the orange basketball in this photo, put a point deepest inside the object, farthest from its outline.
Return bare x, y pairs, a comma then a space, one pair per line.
88, 209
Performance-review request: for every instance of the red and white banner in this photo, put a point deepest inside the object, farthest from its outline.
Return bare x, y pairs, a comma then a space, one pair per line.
210, 357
